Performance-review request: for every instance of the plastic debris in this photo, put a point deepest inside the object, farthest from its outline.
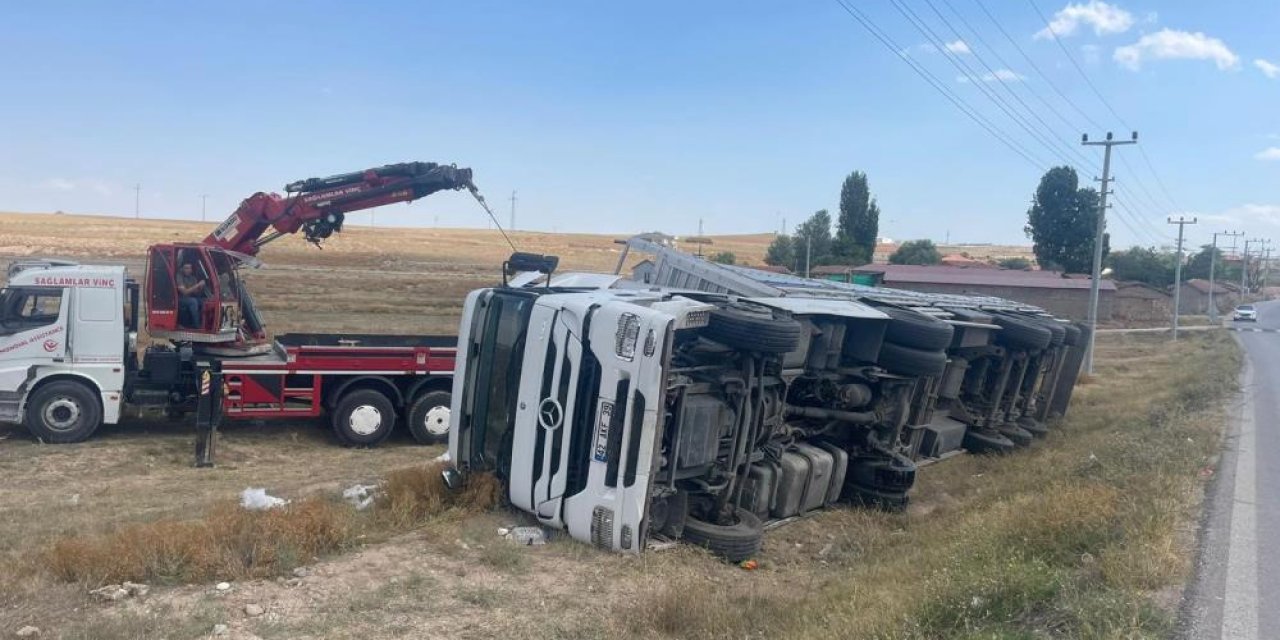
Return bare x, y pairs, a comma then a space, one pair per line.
360, 495
528, 536
444, 457
749, 565
223, 586
258, 499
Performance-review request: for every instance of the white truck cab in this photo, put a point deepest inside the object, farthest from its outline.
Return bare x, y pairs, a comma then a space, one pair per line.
65, 338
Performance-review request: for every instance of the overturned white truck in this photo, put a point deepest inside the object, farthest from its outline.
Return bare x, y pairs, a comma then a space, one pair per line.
717, 400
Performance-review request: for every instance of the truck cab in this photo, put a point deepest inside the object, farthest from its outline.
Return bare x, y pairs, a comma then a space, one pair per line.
67, 338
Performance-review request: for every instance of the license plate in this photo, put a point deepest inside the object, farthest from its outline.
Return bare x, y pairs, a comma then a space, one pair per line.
601, 453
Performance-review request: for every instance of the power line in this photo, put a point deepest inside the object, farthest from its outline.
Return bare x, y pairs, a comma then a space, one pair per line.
1075, 64
928, 77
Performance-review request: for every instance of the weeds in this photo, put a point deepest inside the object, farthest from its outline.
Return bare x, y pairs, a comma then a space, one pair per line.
230, 542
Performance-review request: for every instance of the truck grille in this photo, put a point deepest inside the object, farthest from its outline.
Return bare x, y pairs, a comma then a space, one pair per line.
602, 527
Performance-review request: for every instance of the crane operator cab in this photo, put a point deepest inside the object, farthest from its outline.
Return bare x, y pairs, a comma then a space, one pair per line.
195, 294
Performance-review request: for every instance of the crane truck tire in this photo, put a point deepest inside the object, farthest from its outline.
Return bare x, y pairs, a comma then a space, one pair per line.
363, 418
429, 417
62, 412
735, 543
1018, 333
910, 361
914, 329
752, 327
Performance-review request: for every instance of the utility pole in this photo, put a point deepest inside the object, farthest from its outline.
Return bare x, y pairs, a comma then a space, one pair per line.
1266, 269
1213, 259
203, 198
1244, 266
513, 210
137, 200
1182, 223
808, 253
1095, 281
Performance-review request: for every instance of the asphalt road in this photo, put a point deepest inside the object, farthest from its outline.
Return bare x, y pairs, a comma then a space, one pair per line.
1236, 591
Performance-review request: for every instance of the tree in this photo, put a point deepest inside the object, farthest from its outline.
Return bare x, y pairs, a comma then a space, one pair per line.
1062, 221
813, 239
1197, 266
723, 257
1147, 265
916, 252
781, 252
1017, 264
859, 221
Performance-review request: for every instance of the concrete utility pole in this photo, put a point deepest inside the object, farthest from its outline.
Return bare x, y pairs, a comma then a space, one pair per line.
203, 198
808, 253
513, 210
1182, 223
1244, 265
137, 200
1266, 269
1095, 281
1213, 259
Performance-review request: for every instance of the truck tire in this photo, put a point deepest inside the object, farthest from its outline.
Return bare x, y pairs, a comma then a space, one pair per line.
1018, 333
914, 329
1016, 434
753, 328
363, 418
1072, 338
1058, 333
909, 361
429, 417
1033, 426
62, 412
986, 441
736, 542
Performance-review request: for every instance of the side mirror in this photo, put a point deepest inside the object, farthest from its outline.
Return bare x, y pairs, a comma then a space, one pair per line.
452, 479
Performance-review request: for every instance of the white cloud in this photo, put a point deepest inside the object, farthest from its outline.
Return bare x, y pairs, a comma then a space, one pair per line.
1102, 17
57, 184
1168, 44
1003, 75
1270, 153
959, 46
1252, 212
1268, 68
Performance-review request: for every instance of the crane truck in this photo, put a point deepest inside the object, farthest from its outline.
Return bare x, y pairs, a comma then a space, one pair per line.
69, 356
722, 400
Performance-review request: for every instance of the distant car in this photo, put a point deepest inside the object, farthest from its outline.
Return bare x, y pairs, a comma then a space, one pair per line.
1246, 312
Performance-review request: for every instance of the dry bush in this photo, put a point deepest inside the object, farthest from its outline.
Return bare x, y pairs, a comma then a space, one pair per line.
234, 543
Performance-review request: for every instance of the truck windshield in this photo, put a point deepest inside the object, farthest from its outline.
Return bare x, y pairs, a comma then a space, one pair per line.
494, 359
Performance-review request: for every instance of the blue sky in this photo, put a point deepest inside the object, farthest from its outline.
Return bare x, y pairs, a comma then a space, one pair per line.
622, 117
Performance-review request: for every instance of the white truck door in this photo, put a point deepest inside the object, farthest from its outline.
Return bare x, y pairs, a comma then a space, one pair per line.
33, 331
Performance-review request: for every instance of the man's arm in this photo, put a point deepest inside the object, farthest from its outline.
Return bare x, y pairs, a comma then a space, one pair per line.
195, 288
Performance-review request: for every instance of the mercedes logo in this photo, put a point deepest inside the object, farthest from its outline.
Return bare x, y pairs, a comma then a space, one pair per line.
550, 414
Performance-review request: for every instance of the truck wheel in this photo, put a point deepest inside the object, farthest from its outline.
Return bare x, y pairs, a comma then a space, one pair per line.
63, 411
914, 329
1033, 426
909, 361
986, 441
429, 417
363, 418
1018, 333
1073, 335
736, 542
1057, 332
753, 328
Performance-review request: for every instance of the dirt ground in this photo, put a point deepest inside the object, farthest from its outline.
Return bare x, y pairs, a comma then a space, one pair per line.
453, 578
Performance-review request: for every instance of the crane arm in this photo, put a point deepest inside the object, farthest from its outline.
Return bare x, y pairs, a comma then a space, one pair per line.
317, 206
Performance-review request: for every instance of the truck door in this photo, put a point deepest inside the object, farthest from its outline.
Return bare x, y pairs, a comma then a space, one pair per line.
33, 330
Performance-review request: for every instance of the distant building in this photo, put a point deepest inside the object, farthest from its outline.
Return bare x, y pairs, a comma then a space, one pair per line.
1194, 297
961, 260
1140, 301
1049, 290
843, 273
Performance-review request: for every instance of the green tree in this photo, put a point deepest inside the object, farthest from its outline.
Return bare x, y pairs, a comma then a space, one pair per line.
781, 252
723, 257
1143, 264
813, 239
1062, 220
1017, 264
859, 221
916, 252
1197, 266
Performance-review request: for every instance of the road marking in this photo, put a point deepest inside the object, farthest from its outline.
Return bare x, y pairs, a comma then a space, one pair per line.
1252, 330
1240, 606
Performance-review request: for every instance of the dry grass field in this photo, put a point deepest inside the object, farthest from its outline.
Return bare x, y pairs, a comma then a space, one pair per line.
1085, 535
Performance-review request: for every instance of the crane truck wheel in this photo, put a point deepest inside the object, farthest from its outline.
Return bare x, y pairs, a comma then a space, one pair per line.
429, 417
363, 418
735, 542
62, 412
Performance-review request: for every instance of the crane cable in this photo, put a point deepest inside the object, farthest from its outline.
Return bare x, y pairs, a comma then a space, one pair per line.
479, 198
